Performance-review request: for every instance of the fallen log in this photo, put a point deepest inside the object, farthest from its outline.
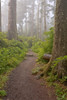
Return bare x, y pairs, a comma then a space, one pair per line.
47, 56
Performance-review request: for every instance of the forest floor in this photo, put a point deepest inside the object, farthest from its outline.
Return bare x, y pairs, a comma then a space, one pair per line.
22, 85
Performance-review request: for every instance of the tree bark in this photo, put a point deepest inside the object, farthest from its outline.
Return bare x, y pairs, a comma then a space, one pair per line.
12, 28
60, 37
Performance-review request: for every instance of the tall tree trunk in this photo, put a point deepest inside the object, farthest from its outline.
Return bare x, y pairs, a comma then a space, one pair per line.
12, 29
26, 26
32, 18
0, 15
60, 37
38, 30
45, 26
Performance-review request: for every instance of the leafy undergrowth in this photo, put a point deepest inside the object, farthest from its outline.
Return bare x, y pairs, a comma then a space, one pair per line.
3, 93
3, 80
44, 46
52, 79
60, 92
60, 89
12, 52
60, 84
36, 70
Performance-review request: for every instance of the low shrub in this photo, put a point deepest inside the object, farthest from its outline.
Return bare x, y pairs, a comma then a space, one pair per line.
41, 47
3, 93
11, 52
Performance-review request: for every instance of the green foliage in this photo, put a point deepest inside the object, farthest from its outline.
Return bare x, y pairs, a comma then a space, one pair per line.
35, 70
10, 57
60, 92
42, 47
29, 40
11, 53
64, 79
49, 41
2, 35
3, 43
3, 93
3, 79
58, 60
53, 77
36, 46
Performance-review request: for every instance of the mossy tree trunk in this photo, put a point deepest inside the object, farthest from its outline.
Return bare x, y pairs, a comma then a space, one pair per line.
60, 37
12, 28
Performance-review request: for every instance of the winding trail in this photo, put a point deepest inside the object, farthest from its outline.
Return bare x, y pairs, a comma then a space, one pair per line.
22, 85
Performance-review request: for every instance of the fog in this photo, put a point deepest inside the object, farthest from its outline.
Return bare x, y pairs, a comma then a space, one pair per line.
31, 16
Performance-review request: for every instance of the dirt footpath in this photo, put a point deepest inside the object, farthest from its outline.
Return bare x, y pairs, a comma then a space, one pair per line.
22, 85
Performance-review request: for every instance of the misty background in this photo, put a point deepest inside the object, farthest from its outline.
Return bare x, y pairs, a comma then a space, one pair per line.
34, 17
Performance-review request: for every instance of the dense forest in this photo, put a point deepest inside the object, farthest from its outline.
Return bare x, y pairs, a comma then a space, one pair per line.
33, 50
